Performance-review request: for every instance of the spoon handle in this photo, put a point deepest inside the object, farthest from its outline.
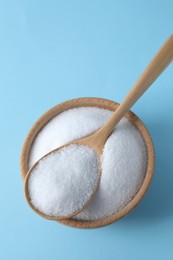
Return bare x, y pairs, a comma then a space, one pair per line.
161, 60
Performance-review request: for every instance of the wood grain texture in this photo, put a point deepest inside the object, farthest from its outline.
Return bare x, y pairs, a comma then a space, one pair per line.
101, 103
157, 65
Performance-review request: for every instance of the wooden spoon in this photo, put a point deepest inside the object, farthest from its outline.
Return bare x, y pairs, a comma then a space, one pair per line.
97, 140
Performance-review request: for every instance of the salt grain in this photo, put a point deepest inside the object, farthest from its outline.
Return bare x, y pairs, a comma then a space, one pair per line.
64, 181
124, 159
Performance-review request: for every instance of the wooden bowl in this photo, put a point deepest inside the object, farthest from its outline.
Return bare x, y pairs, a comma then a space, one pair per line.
101, 103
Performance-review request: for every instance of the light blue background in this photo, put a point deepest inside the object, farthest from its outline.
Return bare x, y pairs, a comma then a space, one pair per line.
52, 51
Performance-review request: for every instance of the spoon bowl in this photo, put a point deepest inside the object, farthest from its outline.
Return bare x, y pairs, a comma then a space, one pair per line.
83, 184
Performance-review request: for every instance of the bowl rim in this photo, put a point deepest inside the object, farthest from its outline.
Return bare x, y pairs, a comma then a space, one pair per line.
100, 103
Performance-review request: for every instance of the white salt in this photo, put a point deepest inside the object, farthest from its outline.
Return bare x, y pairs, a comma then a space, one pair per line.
124, 158
63, 182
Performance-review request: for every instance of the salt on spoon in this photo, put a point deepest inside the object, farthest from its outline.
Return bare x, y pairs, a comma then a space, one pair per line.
72, 178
